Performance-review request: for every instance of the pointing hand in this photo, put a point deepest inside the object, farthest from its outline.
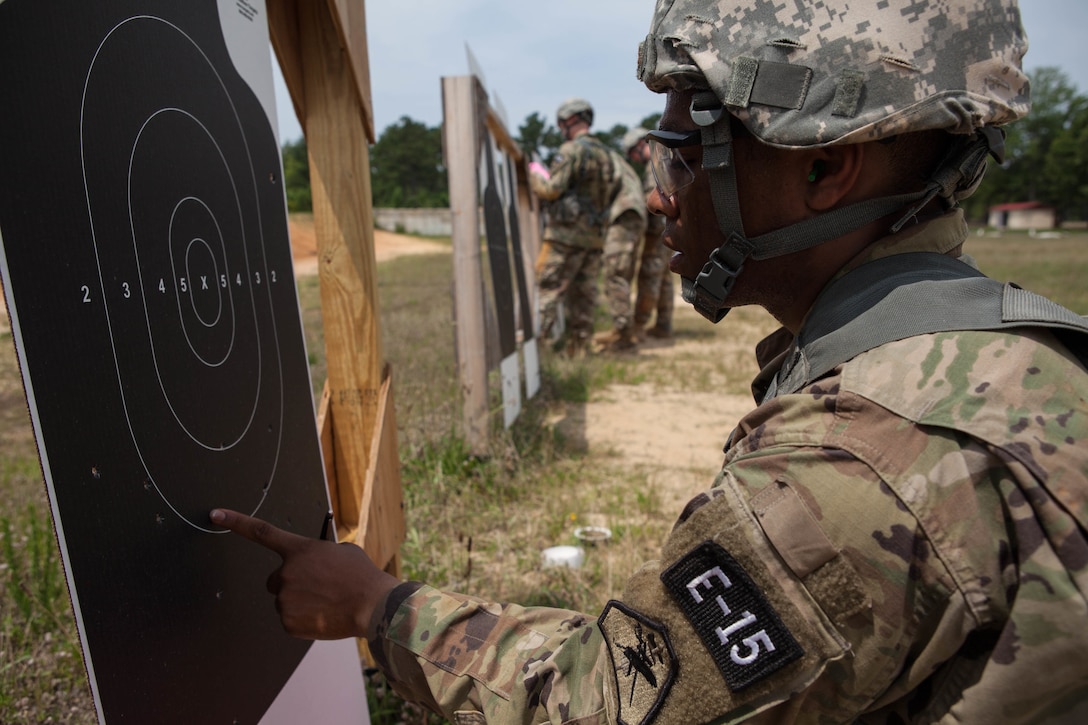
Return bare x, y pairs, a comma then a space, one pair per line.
323, 590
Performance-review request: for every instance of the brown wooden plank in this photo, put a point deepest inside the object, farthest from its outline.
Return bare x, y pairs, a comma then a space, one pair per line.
460, 142
324, 432
382, 528
343, 225
502, 135
283, 31
349, 17
529, 228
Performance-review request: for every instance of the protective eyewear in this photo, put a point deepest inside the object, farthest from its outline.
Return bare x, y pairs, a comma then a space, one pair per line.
671, 171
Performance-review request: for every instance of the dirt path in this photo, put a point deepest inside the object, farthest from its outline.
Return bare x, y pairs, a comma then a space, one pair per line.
671, 428
386, 244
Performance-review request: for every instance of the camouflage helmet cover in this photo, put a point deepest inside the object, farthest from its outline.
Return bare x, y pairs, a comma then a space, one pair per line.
841, 71
631, 138
575, 107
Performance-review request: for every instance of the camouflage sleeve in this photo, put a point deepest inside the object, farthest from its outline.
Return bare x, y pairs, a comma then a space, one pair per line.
743, 633
729, 623
477, 662
770, 599
629, 193
562, 173
796, 588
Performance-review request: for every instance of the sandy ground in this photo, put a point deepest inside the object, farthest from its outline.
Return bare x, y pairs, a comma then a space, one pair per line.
386, 245
661, 431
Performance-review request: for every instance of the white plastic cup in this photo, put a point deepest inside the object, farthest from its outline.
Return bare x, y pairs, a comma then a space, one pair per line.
569, 556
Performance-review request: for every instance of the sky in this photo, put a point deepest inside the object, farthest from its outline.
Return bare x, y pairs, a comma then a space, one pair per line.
533, 56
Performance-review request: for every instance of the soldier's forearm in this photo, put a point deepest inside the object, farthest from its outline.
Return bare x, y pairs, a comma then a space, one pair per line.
457, 654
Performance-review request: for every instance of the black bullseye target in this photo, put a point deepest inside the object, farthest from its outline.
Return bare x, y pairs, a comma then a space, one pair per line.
173, 212
147, 269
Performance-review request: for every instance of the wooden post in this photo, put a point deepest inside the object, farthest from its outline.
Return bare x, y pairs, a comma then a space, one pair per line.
460, 140
343, 223
321, 47
529, 223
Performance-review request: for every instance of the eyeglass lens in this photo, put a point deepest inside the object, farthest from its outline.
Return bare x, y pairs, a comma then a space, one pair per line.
670, 170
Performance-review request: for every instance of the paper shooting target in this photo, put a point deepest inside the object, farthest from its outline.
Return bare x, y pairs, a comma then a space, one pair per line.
183, 275
148, 274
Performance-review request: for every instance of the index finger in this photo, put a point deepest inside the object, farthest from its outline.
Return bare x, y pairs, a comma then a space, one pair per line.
257, 530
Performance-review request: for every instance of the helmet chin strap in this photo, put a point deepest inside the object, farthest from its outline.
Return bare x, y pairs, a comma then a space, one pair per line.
707, 292
961, 169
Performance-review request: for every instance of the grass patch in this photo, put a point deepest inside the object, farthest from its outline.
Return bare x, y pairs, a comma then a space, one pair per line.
1054, 268
42, 678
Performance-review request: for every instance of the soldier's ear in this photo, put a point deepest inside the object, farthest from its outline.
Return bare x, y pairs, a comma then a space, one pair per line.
832, 175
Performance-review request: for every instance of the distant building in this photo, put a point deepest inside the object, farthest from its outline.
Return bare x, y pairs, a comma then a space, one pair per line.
1023, 215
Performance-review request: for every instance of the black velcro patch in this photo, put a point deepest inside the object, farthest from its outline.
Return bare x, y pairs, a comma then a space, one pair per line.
737, 624
643, 662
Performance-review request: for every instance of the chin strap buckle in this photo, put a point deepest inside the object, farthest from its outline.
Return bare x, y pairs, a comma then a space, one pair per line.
708, 291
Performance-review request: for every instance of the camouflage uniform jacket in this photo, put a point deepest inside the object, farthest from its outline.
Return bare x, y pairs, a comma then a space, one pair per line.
901, 541
580, 189
629, 195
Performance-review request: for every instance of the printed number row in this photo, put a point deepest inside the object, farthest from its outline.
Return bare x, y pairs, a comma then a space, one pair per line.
184, 285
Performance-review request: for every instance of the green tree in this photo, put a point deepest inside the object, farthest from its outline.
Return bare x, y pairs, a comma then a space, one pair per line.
538, 136
613, 136
296, 176
650, 122
406, 168
1045, 156
1065, 168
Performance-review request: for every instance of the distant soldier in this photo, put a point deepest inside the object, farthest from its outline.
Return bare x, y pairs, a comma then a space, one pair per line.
578, 188
622, 242
655, 283
899, 530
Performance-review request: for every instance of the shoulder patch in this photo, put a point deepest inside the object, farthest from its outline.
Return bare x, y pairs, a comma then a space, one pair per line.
643, 662
739, 628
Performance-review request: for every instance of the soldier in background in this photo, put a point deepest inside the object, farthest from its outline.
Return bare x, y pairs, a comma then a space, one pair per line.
655, 288
622, 242
899, 532
578, 189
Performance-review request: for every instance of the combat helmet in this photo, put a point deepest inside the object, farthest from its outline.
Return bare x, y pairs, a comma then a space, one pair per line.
803, 75
632, 139
575, 107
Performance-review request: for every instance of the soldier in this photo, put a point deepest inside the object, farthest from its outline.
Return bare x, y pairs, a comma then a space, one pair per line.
579, 188
898, 532
626, 226
655, 290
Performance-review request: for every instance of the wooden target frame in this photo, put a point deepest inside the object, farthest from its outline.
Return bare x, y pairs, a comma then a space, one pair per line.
154, 313
496, 238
